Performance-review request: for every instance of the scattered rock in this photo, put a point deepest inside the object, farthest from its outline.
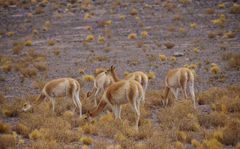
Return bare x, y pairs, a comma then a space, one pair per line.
178, 54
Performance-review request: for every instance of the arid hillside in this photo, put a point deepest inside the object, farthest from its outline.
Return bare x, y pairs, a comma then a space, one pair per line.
42, 40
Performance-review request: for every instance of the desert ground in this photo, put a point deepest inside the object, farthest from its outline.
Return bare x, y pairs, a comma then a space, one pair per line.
41, 40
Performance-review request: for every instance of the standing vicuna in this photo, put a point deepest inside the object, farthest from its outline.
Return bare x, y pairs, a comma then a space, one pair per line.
62, 87
101, 82
119, 93
138, 76
179, 78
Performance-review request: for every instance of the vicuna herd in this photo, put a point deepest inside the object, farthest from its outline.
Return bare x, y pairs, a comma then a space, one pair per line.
111, 92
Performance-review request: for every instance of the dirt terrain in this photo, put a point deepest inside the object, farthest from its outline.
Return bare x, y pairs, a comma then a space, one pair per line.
43, 40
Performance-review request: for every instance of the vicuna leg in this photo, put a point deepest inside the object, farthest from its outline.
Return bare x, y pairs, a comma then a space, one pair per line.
175, 92
95, 97
191, 89
77, 100
53, 104
118, 111
136, 107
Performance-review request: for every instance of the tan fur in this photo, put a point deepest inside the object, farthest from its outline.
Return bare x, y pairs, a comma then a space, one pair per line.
179, 78
62, 87
101, 82
119, 93
138, 76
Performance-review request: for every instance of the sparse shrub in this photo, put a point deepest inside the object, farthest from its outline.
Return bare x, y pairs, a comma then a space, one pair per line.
151, 75
194, 25
162, 57
101, 39
133, 12
231, 133
210, 11
35, 134
22, 129
18, 47
172, 58
7, 141
41, 66
230, 34
215, 119
4, 128
89, 38
181, 136
221, 5
28, 43
122, 17
88, 78
212, 34
179, 145
10, 34
86, 140
144, 34
215, 69
196, 50
132, 36
56, 51
235, 9
212, 144
169, 45
196, 144
51, 42
89, 129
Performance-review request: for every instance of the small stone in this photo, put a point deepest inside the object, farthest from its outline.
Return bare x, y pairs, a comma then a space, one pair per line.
178, 54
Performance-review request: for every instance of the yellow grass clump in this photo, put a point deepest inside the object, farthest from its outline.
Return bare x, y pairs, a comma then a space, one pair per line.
86, 140
215, 69
235, 9
7, 141
88, 78
194, 25
181, 136
122, 17
162, 57
4, 128
182, 30
169, 45
89, 38
196, 144
185, 1
221, 5
196, 50
144, 34
51, 42
179, 145
35, 134
87, 16
212, 144
28, 43
10, 34
151, 75
172, 58
132, 36
101, 39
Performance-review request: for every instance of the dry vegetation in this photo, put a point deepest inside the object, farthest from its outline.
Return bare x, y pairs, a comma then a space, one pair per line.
36, 51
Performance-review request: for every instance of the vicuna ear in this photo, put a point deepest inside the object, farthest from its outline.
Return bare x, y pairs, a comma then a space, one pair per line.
112, 68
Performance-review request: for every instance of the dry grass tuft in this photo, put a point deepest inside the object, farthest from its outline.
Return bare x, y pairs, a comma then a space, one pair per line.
5, 128
89, 38
231, 133
144, 34
22, 129
7, 141
162, 57
212, 144
86, 140
51, 42
151, 75
28, 43
88, 78
179, 145
194, 25
101, 40
235, 9
169, 45
132, 36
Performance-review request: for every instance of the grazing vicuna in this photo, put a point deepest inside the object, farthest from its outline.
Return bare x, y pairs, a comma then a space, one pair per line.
62, 87
101, 82
179, 78
138, 76
119, 93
